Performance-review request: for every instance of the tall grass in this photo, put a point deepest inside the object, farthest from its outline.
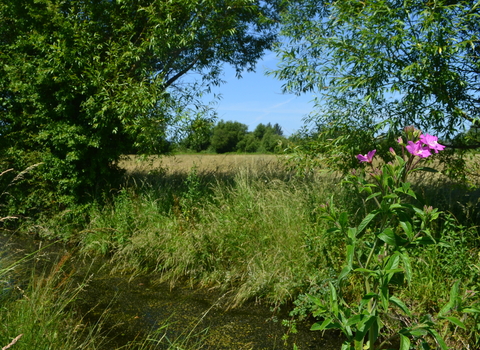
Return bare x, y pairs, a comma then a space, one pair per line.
39, 314
256, 236
255, 233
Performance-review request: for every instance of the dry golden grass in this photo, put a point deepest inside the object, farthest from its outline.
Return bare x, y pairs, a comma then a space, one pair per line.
204, 163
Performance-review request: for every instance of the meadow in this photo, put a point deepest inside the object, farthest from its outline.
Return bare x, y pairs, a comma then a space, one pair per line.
250, 227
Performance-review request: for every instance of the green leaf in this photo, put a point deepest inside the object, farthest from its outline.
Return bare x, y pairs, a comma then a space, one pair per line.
321, 326
392, 261
454, 292
418, 332
366, 221
404, 342
350, 255
352, 233
333, 299
472, 310
388, 237
407, 266
344, 273
354, 320
343, 220
366, 298
373, 195
407, 228
455, 321
400, 304
438, 338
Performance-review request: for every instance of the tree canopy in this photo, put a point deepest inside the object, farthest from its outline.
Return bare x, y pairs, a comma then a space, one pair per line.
85, 81
381, 65
226, 136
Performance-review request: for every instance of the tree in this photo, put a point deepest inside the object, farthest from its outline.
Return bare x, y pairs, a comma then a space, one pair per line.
264, 139
377, 66
249, 144
196, 131
227, 135
277, 129
84, 81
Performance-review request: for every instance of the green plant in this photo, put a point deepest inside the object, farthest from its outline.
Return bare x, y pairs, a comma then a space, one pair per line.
192, 195
42, 315
378, 253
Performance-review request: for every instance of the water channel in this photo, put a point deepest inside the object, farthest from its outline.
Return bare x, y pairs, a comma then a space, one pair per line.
137, 305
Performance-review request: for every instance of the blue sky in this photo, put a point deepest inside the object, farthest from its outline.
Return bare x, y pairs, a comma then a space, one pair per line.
257, 98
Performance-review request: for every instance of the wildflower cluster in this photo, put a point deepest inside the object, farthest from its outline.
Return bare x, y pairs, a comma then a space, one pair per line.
422, 147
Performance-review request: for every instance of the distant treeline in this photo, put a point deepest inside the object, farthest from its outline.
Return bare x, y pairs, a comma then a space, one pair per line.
232, 136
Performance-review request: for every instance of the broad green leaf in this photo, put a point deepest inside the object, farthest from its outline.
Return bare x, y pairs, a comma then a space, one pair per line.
354, 320
407, 228
321, 326
352, 233
315, 300
404, 342
418, 332
384, 296
343, 220
366, 298
333, 229
388, 237
366, 221
393, 261
373, 195
350, 255
369, 324
391, 272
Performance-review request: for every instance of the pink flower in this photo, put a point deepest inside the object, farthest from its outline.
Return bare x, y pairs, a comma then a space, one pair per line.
431, 142
366, 158
417, 149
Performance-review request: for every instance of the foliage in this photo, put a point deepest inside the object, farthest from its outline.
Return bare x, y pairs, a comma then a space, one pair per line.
197, 133
83, 82
250, 228
378, 65
378, 252
264, 139
227, 135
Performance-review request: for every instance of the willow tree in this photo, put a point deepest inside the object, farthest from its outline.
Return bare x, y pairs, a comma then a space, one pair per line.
376, 66
85, 81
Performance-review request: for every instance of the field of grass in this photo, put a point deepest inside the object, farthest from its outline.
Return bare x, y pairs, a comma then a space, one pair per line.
205, 163
247, 226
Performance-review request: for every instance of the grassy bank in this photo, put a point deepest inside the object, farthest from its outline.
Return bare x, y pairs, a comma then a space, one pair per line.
249, 227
